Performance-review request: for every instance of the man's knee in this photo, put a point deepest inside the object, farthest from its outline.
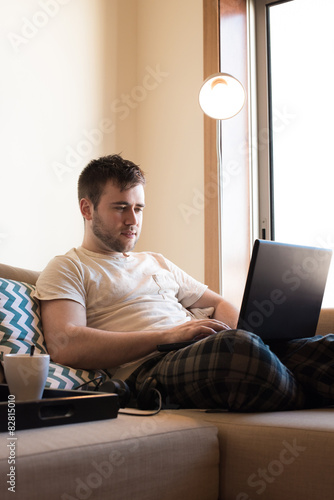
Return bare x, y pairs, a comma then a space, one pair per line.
239, 341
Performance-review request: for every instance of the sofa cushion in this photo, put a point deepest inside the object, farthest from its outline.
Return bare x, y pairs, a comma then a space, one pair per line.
18, 274
20, 328
284, 455
162, 456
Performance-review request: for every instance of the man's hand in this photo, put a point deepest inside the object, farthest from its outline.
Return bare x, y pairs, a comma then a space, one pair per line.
195, 330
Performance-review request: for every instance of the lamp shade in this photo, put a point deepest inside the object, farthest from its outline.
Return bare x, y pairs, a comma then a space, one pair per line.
221, 96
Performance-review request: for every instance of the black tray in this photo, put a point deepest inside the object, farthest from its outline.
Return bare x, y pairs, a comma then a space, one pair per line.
57, 407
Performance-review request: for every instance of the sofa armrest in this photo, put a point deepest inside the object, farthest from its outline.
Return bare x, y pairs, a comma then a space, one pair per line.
326, 321
18, 274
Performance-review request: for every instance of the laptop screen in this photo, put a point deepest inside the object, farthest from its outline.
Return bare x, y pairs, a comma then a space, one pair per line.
284, 290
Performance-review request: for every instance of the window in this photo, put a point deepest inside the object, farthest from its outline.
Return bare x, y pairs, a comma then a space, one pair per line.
295, 42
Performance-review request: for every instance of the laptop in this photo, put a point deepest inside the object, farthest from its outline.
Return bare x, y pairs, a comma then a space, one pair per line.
283, 292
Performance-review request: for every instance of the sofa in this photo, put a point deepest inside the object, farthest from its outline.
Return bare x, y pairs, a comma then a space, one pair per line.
175, 454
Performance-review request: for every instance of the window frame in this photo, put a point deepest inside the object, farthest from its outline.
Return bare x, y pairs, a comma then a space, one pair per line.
262, 142
226, 43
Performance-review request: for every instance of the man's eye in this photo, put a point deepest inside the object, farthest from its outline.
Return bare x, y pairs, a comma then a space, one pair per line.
122, 208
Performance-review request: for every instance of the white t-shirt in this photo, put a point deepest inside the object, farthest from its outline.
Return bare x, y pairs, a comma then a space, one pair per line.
140, 291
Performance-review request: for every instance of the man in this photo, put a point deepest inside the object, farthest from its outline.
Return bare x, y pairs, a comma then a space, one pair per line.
104, 306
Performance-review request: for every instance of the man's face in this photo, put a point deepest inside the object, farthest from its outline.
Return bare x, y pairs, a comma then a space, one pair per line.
116, 223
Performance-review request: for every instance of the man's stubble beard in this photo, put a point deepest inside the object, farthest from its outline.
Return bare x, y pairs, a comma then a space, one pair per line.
113, 243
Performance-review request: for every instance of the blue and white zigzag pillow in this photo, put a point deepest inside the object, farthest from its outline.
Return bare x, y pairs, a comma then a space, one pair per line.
20, 327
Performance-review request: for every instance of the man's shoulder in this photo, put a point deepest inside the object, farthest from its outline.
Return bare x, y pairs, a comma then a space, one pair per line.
63, 277
71, 255
63, 262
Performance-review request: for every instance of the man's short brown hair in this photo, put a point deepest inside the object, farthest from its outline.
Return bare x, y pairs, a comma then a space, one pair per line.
92, 180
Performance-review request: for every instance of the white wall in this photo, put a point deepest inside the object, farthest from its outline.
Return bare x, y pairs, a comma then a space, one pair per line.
170, 131
82, 78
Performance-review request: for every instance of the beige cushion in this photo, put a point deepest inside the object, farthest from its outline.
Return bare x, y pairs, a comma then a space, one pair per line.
18, 274
326, 321
275, 456
127, 458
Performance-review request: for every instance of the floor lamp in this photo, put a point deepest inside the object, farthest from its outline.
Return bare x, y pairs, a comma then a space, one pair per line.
221, 97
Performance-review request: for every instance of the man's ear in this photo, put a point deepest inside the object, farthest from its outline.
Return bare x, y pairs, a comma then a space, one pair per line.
86, 208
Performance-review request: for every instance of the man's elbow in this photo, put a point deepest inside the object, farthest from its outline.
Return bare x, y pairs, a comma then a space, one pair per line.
62, 348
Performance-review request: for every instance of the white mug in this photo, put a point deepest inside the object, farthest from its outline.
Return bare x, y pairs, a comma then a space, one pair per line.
26, 375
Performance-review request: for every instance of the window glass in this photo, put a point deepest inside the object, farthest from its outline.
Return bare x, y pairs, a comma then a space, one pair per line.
301, 110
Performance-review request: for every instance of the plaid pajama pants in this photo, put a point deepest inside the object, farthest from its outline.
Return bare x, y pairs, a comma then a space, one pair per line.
235, 370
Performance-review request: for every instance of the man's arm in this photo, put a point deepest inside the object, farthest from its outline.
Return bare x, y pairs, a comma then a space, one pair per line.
224, 310
71, 342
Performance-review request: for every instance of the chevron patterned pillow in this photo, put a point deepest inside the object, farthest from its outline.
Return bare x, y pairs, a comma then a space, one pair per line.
20, 328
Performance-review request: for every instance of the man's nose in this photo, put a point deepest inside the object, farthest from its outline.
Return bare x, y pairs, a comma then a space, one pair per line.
131, 217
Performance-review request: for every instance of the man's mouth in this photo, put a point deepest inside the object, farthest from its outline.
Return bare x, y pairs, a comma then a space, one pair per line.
129, 234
